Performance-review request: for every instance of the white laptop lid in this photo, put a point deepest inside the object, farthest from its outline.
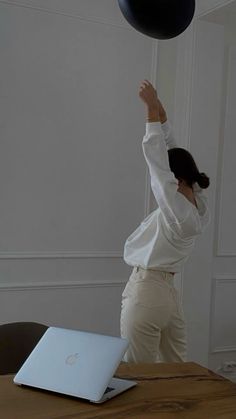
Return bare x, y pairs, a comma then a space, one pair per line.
73, 362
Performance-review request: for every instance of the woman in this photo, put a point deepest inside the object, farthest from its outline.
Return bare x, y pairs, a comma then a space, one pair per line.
152, 318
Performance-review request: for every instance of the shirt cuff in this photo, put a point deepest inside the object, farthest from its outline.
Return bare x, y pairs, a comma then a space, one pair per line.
166, 127
153, 128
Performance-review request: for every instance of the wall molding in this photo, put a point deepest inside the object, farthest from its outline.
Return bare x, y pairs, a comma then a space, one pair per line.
183, 90
204, 8
220, 165
217, 281
219, 349
221, 253
224, 277
153, 78
219, 249
70, 15
41, 286
201, 10
76, 254
61, 255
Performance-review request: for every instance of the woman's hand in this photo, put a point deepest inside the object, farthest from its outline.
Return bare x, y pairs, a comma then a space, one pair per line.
149, 96
162, 113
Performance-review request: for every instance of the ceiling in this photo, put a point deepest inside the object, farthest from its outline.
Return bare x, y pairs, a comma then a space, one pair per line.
225, 15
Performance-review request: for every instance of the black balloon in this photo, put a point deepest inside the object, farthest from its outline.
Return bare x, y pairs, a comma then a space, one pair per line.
161, 19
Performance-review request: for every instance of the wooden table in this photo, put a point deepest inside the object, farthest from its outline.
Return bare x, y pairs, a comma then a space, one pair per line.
165, 391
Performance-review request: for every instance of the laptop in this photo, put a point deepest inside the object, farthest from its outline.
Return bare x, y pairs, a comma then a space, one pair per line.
76, 363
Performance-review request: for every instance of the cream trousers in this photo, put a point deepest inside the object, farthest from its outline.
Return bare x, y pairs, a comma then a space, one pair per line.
152, 318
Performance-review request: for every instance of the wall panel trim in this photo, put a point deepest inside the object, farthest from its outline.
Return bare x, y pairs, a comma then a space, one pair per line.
220, 252
205, 7
202, 8
184, 86
153, 78
218, 280
62, 255
41, 286
91, 19
73, 253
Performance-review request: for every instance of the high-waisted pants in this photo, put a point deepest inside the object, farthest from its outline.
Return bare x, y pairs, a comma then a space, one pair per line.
152, 318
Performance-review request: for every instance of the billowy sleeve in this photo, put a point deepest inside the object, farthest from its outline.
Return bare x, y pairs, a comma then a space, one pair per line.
174, 207
169, 135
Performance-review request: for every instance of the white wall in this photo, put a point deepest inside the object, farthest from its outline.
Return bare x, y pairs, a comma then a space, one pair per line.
72, 174
197, 121
205, 91
223, 313
204, 111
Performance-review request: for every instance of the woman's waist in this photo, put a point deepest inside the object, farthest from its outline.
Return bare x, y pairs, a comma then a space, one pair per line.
141, 273
157, 269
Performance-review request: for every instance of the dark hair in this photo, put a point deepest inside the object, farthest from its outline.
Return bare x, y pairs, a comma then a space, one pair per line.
184, 167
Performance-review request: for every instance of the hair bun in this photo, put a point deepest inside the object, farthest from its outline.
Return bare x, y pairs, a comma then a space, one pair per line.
203, 180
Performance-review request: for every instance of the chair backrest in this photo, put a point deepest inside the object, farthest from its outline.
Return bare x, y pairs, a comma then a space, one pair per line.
17, 340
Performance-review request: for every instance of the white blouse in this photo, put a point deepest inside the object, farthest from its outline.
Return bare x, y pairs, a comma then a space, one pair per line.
165, 239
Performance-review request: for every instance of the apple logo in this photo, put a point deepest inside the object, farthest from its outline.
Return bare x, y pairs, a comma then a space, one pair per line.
72, 359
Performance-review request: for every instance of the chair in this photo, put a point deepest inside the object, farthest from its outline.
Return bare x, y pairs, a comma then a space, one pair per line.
17, 340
